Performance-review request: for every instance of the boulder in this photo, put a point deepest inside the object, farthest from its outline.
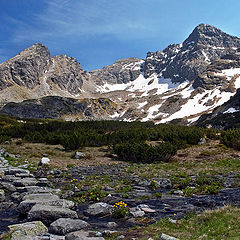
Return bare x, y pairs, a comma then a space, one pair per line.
202, 141
79, 155
99, 209
62, 226
43, 199
44, 161
27, 231
48, 214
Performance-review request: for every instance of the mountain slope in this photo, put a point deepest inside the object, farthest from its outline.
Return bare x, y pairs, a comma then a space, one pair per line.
183, 81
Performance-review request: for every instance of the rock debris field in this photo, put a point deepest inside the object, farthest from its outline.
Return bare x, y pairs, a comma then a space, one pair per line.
31, 208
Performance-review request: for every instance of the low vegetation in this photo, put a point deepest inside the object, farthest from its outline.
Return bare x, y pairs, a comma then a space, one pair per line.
223, 223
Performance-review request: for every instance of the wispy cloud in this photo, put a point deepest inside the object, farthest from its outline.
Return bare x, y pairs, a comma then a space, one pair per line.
80, 18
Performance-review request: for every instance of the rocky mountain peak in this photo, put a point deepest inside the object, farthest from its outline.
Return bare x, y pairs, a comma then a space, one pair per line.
25, 68
205, 34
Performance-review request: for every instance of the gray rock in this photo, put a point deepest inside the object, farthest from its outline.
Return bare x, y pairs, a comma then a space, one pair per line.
55, 237
62, 226
25, 206
25, 182
16, 196
167, 237
8, 186
79, 155
137, 213
82, 235
202, 141
99, 209
44, 161
38, 189
27, 231
178, 192
48, 214
111, 225
2, 195
121, 237
15, 170
41, 197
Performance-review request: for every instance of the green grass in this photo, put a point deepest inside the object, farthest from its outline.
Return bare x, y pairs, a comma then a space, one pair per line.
221, 224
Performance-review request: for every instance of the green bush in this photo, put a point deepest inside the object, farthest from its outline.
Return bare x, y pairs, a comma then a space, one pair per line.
231, 138
142, 152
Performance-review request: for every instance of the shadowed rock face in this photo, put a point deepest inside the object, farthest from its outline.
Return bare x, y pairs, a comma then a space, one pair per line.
185, 61
56, 107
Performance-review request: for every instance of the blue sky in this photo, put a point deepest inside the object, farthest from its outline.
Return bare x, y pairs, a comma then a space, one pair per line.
98, 32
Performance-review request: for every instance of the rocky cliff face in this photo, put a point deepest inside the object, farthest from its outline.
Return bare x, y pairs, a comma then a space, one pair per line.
122, 71
26, 68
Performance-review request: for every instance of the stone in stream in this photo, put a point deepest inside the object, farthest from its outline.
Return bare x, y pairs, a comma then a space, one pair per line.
48, 214
44, 199
83, 235
62, 226
99, 209
25, 206
27, 231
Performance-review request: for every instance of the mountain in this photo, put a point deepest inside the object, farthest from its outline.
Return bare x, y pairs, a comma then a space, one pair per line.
180, 83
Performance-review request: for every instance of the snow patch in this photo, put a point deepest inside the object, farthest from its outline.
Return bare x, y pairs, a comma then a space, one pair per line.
140, 105
231, 110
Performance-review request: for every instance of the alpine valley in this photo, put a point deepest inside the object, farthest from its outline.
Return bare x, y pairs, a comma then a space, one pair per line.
178, 85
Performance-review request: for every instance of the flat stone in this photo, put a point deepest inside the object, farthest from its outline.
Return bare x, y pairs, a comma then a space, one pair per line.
138, 213
167, 237
111, 225
14, 171
82, 235
25, 182
148, 210
11, 178
25, 206
23, 175
41, 197
37, 189
48, 214
27, 231
56, 237
62, 226
44, 199
99, 209
8, 186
